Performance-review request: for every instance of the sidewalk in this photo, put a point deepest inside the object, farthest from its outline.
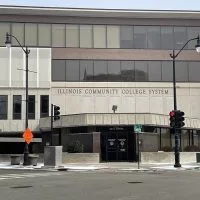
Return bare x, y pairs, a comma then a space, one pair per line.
112, 166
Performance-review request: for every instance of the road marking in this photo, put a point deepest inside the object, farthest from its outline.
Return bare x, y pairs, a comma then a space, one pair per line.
27, 175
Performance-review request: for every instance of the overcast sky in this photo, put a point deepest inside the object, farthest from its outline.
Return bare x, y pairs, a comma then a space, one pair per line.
123, 4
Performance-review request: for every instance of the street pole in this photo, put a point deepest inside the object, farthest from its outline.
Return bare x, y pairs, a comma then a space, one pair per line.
52, 106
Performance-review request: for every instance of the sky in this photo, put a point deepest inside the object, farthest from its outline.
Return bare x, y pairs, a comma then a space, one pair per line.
111, 4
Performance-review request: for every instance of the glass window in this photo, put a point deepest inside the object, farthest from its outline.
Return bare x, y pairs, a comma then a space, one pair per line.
72, 70
180, 37
167, 71
100, 70
194, 71
18, 32
140, 37
86, 36
17, 106
86, 70
141, 73
192, 33
154, 71
3, 107
127, 71
4, 28
99, 36
44, 106
167, 38
58, 35
72, 35
31, 34
181, 71
31, 107
153, 37
126, 37
58, 70
113, 37
114, 72
44, 35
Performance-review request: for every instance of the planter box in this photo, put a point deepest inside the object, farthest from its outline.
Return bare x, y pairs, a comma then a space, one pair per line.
15, 159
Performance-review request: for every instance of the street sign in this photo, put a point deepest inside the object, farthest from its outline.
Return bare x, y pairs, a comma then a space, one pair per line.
137, 128
27, 135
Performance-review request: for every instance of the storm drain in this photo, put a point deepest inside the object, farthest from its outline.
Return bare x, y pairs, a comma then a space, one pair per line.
134, 182
21, 187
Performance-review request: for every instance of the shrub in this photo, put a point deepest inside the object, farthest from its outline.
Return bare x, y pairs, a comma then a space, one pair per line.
192, 148
75, 147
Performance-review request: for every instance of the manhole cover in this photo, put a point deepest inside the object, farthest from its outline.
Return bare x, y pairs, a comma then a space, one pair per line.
21, 187
134, 182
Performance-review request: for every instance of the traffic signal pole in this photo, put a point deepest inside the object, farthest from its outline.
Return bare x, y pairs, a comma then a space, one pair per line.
52, 106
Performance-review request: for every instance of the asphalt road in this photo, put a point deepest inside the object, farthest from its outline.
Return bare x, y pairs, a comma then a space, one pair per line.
45, 185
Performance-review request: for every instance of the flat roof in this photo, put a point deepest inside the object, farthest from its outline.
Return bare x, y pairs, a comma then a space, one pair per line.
90, 12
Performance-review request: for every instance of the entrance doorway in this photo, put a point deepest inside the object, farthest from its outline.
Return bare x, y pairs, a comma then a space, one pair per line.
118, 146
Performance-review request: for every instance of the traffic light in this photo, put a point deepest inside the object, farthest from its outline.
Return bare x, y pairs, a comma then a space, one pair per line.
172, 119
179, 119
56, 112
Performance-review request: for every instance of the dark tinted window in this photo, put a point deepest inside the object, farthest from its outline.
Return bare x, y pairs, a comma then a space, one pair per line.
167, 72
141, 73
140, 38
17, 106
127, 71
154, 71
114, 72
58, 70
3, 106
126, 37
181, 71
180, 37
86, 70
167, 38
44, 106
100, 71
194, 71
72, 70
31, 107
153, 37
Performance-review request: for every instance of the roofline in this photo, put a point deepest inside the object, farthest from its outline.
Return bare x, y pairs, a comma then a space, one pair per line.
96, 12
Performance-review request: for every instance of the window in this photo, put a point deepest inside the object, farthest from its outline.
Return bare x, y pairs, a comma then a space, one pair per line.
72, 35
86, 70
86, 36
127, 71
58, 70
154, 71
99, 32
140, 38
58, 35
167, 71
180, 37
181, 71
192, 33
167, 38
17, 106
72, 70
4, 28
153, 37
3, 107
18, 32
126, 37
141, 73
31, 34
114, 72
100, 71
194, 71
113, 37
31, 107
44, 35
44, 106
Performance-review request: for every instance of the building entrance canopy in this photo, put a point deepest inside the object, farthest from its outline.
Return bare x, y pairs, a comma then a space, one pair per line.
106, 119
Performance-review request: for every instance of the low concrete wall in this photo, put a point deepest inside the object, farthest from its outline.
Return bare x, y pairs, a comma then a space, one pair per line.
81, 157
167, 157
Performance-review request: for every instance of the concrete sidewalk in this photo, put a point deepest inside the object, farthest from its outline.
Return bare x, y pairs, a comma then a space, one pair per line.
112, 166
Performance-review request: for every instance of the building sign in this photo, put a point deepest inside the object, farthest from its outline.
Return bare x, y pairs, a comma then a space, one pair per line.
112, 91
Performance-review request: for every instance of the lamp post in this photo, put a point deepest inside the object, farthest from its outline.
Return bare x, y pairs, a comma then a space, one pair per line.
26, 51
176, 134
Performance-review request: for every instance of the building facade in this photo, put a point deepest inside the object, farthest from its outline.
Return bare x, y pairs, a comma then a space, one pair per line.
107, 70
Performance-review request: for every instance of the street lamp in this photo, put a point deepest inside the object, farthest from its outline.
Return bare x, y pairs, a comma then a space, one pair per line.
174, 56
26, 51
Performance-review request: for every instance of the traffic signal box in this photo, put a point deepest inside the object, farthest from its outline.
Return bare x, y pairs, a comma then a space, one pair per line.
177, 119
56, 112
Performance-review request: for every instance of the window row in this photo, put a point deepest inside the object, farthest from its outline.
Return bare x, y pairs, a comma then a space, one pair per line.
17, 107
99, 36
128, 71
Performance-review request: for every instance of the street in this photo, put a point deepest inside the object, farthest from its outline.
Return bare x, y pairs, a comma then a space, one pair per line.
98, 185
